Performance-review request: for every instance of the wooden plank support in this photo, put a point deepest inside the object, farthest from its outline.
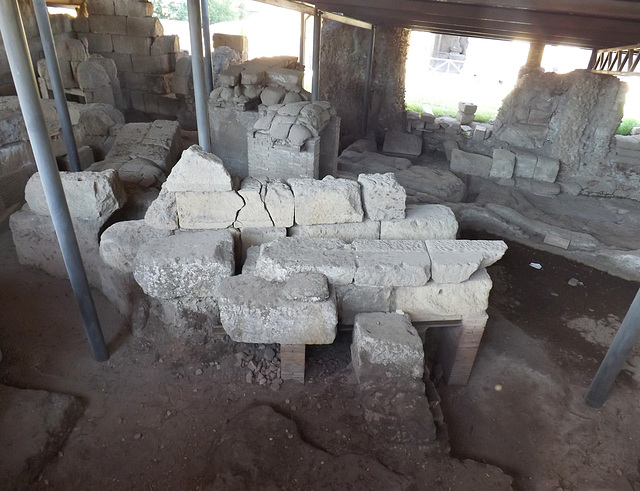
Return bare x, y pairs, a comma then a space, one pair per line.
292, 362
459, 346
617, 61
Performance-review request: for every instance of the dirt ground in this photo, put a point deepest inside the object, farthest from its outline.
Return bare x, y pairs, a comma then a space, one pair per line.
164, 415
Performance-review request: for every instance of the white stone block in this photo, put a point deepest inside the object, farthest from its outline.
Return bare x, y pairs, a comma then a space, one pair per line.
382, 197
280, 259
347, 232
198, 170
422, 222
251, 237
185, 264
280, 203
391, 263
470, 163
386, 344
254, 212
163, 213
357, 299
301, 310
206, 210
327, 201
454, 261
467, 108
504, 162
441, 301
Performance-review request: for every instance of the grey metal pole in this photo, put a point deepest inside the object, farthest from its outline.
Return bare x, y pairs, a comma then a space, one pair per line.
208, 66
303, 35
618, 352
15, 41
197, 65
315, 84
366, 100
51, 57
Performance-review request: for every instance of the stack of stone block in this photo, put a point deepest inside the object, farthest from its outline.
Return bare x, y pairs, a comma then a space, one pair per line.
466, 112
127, 33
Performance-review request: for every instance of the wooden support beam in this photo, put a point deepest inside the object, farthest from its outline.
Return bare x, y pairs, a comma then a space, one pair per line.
292, 362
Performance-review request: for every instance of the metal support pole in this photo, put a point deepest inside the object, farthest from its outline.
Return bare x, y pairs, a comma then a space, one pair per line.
534, 58
366, 102
303, 35
51, 57
315, 83
618, 352
592, 59
208, 66
197, 66
15, 41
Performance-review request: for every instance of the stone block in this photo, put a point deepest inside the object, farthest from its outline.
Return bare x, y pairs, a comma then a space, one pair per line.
101, 7
165, 45
631, 142
132, 45
90, 195
327, 201
92, 75
233, 41
480, 133
255, 237
442, 301
198, 170
108, 24
97, 43
163, 212
547, 169
391, 263
134, 9
357, 299
386, 344
525, 165
471, 163
347, 232
185, 264
280, 259
141, 172
449, 147
398, 143
454, 261
453, 128
81, 24
272, 95
382, 197
464, 119
120, 243
143, 27
467, 108
254, 212
285, 77
280, 203
422, 222
156, 64
301, 310
207, 210
504, 163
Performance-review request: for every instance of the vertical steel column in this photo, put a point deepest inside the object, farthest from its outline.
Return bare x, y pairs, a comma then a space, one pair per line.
51, 57
208, 66
534, 58
197, 66
315, 84
303, 36
15, 42
366, 100
618, 352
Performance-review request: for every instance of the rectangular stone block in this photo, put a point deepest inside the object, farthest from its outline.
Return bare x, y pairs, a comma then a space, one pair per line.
442, 301
123, 65
464, 119
132, 45
285, 77
467, 108
347, 232
250, 237
101, 7
108, 24
207, 210
134, 9
382, 197
254, 212
391, 263
504, 163
281, 161
470, 163
525, 165
198, 170
98, 43
328, 201
454, 261
358, 299
165, 45
404, 144
279, 202
547, 169
480, 133
156, 64
449, 147
422, 222
143, 27
233, 41
630, 142
81, 24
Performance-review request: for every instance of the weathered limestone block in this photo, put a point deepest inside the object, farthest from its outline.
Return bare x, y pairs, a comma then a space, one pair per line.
280, 203
454, 261
301, 310
467, 108
470, 163
198, 170
280, 259
547, 169
120, 243
398, 143
357, 299
391, 263
431, 185
206, 210
185, 264
163, 213
90, 195
525, 165
504, 162
328, 201
382, 197
285, 77
142, 172
386, 344
188, 317
422, 222
445, 300
252, 237
347, 232
254, 212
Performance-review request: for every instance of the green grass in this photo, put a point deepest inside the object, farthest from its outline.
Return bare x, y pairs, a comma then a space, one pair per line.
441, 110
626, 126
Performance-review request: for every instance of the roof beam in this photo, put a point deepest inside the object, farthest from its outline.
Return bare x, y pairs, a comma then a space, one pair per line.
310, 10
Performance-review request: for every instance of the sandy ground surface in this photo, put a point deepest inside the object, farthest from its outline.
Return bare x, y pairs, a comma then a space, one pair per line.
164, 415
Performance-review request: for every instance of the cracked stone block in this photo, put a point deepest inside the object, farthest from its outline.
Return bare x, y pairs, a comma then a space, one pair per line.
251, 237
358, 299
422, 222
391, 263
440, 301
185, 264
207, 210
280, 259
327, 201
90, 195
398, 143
546, 169
525, 165
198, 170
254, 212
280, 203
347, 232
454, 261
120, 242
386, 344
470, 163
255, 310
162, 212
504, 162
382, 197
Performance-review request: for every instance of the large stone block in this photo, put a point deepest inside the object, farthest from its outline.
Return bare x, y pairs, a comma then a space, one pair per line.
398, 143
165, 44
255, 237
185, 264
504, 162
525, 165
132, 45
206, 210
422, 222
391, 263
386, 344
90, 195
358, 299
198, 170
108, 24
440, 301
328, 201
280, 259
254, 212
143, 26
454, 261
163, 213
347, 232
547, 169
382, 197
280, 203
470, 163
301, 310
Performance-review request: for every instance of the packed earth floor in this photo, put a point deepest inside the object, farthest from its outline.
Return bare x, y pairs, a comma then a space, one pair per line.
161, 414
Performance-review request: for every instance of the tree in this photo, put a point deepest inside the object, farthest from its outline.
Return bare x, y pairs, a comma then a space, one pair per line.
219, 10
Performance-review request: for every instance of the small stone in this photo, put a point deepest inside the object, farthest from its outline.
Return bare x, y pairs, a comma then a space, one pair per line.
199, 371
269, 354
249, 377
137, 436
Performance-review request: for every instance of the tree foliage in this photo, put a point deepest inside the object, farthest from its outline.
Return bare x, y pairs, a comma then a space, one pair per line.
219, 10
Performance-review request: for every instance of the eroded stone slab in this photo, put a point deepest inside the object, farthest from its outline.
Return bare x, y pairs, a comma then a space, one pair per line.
347, 232
382, 197
504, 162
357, 299
470, 163
162, 212
454, 261
398, 143
327, 201
198, 170
422, 222
207, 210
391, 263
280, 203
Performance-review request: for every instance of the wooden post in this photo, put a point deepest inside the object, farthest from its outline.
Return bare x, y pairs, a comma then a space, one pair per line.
459, 346
292, 360
536, 50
